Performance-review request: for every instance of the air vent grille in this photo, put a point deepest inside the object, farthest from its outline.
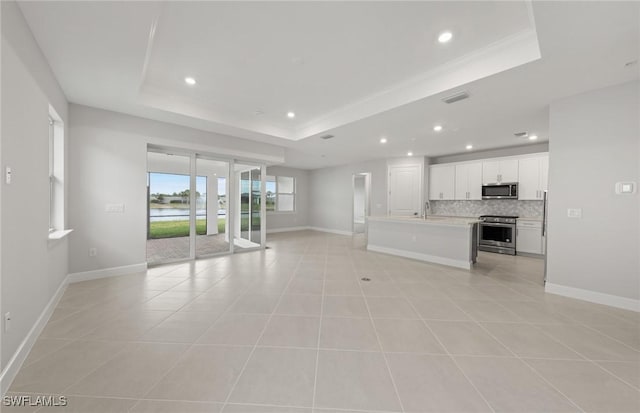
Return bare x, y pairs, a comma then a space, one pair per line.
521, 134
456, 97
325, 137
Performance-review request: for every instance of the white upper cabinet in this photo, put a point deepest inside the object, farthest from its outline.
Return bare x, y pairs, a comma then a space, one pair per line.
499, 171
468, 183
442, 182
534, 174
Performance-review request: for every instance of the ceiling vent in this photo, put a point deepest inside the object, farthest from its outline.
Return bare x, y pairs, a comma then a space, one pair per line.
456, 97
521, 134
325, 137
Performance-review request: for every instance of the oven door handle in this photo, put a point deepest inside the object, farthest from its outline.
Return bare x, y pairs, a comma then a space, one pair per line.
492, 224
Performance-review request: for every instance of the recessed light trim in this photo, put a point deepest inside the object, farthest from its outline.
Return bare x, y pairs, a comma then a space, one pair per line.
468, 147
291, 115
383, 140
189, 81
437, 128
533, 137
445, 37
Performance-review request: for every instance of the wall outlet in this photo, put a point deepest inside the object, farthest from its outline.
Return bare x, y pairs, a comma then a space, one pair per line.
7, 321
574, 212
93, 251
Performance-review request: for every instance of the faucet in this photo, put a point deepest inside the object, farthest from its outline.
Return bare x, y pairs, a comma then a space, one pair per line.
427, 207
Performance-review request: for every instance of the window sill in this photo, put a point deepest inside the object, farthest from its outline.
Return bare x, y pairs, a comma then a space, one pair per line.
57, 235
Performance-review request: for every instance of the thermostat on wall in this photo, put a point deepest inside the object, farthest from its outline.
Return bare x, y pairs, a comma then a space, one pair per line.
624, 188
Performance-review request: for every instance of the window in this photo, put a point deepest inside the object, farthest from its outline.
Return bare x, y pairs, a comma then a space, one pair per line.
51, 177
281, 194
56, 173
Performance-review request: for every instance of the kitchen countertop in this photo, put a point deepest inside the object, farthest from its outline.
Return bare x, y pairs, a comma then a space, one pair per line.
431, 220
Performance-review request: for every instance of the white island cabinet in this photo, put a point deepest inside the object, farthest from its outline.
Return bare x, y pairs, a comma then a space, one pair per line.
441, 240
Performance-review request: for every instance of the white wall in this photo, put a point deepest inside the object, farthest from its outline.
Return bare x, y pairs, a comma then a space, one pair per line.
331, 198
299, 218
108, 164
32, 268
594, 144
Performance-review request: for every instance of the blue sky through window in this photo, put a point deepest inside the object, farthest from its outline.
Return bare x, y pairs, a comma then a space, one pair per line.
161, 183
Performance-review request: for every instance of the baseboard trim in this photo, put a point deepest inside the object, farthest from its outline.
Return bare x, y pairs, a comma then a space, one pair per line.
286, 229
332, 231
594, 297
421, 257
13, 366
107, 272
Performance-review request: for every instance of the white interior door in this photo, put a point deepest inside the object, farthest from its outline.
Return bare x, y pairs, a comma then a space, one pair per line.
405, 195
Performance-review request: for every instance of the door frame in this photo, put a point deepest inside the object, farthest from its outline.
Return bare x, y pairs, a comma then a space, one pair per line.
231, 199
236, 202
367, 199
420, 167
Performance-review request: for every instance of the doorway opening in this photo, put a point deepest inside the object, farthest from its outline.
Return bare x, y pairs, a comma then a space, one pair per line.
361, 202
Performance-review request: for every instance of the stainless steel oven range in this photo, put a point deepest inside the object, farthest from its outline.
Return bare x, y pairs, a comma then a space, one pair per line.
498, 234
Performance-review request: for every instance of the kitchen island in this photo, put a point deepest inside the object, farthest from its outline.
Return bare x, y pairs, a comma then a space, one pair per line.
442, 240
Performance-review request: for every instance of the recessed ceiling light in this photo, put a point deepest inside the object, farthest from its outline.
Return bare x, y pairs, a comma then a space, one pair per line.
383, 140
469, 147
445, 37
533, 137
291, 115
437, 128
190, 81
409, 153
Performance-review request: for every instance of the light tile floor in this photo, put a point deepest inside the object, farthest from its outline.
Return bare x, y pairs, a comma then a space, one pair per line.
294, 329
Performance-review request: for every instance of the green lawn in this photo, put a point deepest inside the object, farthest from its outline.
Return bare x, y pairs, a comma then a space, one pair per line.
172, 229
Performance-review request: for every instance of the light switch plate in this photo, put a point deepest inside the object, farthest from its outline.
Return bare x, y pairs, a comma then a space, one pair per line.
574, 212
625, 188
114, 208
8, 173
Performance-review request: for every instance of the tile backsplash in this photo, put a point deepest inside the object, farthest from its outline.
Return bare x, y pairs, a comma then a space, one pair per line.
524, 209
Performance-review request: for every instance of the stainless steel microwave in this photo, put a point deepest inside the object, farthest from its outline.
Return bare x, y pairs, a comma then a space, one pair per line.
500, 191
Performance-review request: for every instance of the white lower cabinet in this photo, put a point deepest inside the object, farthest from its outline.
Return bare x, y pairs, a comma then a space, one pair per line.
529, 237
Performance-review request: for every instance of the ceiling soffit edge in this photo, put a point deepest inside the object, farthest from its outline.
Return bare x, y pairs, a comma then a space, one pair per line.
510, 52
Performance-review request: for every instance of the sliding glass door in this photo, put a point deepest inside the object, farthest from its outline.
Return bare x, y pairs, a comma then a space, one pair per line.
200, 205
249, 230
212, 188
168, 207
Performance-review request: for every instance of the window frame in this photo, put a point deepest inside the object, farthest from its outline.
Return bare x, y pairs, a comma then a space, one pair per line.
57, 167
52, 177
276, 210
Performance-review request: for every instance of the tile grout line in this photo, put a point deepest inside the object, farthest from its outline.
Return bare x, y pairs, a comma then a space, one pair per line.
315, 375
190, 346
450, 356
522, 360
255, 346
384, 356
592, 361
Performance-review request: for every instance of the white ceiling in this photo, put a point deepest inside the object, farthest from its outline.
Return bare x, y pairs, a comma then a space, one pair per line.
356, 70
